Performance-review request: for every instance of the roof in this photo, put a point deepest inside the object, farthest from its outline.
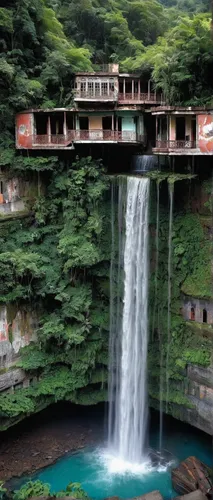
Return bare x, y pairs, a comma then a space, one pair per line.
179, 109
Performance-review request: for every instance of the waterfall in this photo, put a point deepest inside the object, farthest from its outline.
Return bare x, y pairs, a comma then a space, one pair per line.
171, 199
144, 163
129, 335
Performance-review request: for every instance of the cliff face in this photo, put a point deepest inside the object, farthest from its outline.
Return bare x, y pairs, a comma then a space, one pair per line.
54, 290
181, 344
60, 352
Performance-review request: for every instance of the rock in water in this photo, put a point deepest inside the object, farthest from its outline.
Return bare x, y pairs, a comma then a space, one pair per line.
195, 495
153, 495
192, 475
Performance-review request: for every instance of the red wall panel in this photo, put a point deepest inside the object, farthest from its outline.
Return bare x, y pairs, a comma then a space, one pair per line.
24, 130
205, 124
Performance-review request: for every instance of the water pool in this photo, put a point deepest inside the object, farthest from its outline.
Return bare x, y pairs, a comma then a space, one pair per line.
91, 467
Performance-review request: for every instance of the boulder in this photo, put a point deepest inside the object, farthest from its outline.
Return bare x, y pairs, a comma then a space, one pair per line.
195, 495
192, 475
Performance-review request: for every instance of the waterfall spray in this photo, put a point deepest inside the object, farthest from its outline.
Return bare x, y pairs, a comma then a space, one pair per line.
130, 341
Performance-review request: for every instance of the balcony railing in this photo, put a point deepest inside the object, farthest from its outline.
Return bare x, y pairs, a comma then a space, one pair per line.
96, 95
142, 97
85, 135
166, 145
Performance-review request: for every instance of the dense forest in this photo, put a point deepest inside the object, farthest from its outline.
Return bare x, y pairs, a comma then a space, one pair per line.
56, 260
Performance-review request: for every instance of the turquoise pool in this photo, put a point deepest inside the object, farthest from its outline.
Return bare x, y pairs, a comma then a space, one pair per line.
95, 469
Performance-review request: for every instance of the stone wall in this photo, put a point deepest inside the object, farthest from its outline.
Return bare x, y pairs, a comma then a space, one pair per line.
200, 393
198, 310
17, 330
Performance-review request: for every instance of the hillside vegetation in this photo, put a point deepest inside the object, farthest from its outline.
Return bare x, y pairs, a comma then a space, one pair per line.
57, 259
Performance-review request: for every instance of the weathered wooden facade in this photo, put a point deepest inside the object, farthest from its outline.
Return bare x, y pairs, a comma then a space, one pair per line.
117, 108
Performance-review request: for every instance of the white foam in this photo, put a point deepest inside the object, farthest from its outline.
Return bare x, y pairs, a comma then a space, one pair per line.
114, 465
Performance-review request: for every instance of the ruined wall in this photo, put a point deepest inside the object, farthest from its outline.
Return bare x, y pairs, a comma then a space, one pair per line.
17, 330
16, 194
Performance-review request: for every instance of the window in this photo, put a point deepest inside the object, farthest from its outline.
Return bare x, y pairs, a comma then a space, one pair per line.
104, 88
112, 85
192, 317
83, 87
204, 316
97, 89
90, 87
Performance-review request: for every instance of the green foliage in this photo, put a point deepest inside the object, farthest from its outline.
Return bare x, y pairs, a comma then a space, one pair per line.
73, 490
175, 60
2, 490
41, 267
190, 342
39, 489
32, 489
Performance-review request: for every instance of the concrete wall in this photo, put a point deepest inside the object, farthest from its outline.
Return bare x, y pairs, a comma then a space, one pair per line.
128, 124
198, 305
95, 122
24, 130
200, 393
172, 128
14, 193
17, 330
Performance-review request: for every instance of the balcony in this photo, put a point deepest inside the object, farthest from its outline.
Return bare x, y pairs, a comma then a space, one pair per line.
107, 136
94, 96
177, 147
140, 98
84, 136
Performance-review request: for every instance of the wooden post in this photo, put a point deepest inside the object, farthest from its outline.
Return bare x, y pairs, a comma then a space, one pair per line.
133, 84
113, 123
149, 86
124, 88
49, 130
57, 127
65, 125
139, 89
108, 88
156, 125
167, 127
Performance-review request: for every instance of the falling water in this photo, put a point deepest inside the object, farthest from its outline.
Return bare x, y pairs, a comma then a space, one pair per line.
144, 163
171, 198
116, 297
129, 342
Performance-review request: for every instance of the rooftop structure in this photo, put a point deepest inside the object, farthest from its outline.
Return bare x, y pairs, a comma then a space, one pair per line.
117, 108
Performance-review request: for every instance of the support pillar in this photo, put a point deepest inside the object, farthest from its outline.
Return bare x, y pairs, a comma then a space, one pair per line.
156, 125
139, 89
167, 128
133, 83
65, 125
49, 130
149, 88
124, 88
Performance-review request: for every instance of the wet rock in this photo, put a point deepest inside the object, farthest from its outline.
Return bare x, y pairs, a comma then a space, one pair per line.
195, 495
192, 475
112, 498
153, 495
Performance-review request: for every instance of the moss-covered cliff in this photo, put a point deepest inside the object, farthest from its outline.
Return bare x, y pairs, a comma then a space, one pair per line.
56, 262
180, 339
